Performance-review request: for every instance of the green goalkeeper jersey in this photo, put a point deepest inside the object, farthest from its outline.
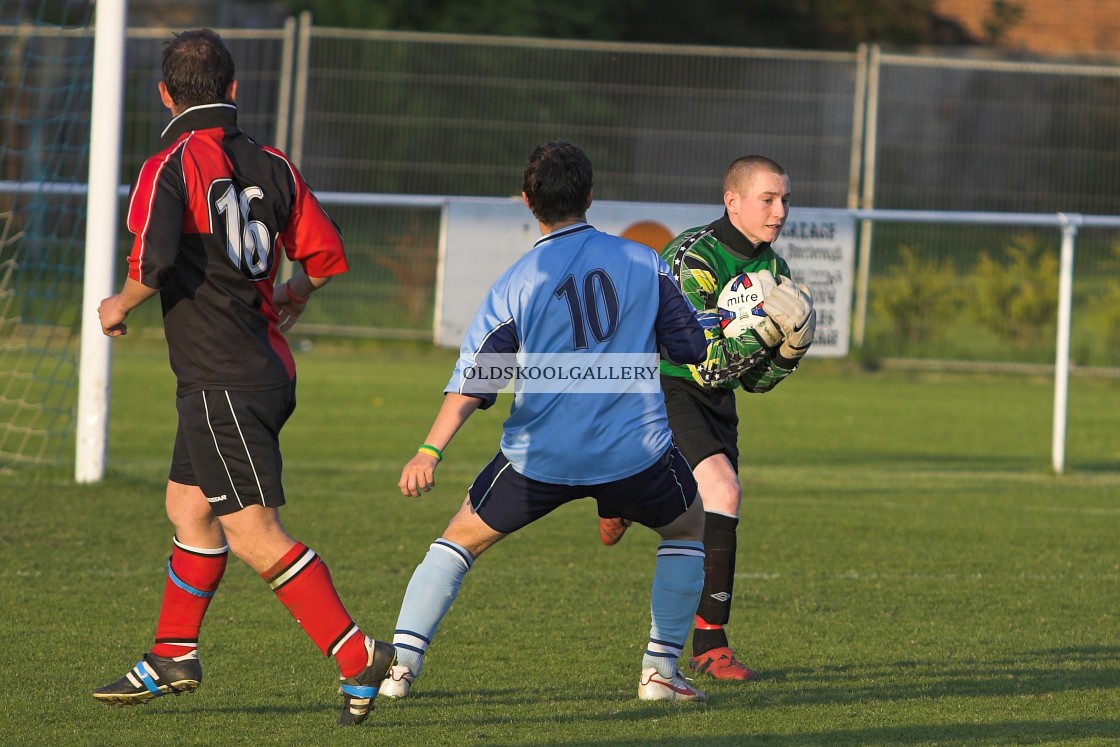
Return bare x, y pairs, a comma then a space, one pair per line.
703, 261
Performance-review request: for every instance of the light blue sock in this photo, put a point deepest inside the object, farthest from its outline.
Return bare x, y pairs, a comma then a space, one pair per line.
434, 586
678, 580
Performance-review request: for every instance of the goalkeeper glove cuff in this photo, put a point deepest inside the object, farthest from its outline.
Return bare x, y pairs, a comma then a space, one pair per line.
768, 334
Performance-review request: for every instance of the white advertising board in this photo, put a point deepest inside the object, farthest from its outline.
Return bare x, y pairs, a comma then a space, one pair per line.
481, 238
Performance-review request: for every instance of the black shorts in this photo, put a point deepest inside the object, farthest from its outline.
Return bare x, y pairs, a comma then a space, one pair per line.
228, 444
704, 421
506, 500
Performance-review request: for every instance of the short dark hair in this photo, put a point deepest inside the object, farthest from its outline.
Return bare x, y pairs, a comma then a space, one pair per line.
558, 182
741, 169
197, 68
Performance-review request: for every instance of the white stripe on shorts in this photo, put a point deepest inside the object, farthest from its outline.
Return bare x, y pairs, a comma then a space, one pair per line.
218, 450
248, 454
489, 487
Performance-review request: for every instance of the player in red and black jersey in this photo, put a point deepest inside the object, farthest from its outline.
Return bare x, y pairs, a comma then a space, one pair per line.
211, 212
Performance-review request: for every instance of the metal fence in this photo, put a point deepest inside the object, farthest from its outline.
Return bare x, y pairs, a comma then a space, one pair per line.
440, 114
428, 115
966, 134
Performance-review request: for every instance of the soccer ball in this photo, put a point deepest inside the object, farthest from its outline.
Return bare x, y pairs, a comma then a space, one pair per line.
740, 302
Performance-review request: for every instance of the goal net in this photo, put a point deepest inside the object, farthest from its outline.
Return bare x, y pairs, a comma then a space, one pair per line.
46, 54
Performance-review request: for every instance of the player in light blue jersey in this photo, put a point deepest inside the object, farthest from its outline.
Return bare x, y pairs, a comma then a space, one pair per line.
580, 317
575, 328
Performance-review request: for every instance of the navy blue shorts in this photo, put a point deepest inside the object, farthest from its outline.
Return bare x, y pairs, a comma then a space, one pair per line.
507, 500
228, 444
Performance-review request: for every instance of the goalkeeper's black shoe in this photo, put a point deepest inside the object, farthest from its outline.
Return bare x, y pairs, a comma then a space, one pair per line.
359, 691
152, 677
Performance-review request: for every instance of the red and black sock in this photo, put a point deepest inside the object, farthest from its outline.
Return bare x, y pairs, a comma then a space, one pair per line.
193, 575
303, 584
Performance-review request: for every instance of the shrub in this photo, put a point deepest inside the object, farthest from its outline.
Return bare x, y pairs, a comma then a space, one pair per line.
1101, 323
917, 295
1016, 294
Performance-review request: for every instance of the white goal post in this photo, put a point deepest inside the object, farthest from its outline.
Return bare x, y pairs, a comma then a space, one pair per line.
92, 427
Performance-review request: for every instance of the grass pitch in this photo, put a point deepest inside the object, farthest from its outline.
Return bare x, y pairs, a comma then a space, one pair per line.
909, 573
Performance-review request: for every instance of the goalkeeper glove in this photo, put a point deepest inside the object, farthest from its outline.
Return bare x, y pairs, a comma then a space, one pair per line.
791, 308
765, 331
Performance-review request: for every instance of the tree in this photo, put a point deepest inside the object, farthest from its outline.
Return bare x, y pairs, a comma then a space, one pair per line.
574, 19
806, 24
800, 24
1006, 14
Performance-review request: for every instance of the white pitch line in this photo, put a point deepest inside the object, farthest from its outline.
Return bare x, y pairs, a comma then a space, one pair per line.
875, 576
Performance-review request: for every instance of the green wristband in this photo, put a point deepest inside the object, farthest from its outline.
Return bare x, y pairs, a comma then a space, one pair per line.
431, 451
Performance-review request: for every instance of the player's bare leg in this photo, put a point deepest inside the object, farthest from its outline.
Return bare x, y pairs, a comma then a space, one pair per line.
470, 532
256, 536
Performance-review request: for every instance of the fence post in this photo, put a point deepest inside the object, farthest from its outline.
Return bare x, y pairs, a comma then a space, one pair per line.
293, 100
299, 104
859, 113
871, 121
284, 99
1070, 224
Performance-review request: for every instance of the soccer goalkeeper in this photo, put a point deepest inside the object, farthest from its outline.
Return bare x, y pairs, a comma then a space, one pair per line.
700, 399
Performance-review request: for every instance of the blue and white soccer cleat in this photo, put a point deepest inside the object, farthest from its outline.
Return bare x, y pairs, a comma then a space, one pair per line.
359, 691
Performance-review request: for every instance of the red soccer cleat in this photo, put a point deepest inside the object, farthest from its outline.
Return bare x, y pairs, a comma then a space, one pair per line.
721, 664
611, 530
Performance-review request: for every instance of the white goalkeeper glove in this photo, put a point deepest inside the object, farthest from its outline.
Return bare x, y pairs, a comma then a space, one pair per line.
791, 308
764, 330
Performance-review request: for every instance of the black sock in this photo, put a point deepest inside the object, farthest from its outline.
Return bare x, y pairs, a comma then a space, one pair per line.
719, 581
705, 640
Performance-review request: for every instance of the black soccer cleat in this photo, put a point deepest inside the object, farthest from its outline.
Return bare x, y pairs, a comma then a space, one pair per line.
359, 691
152, 677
